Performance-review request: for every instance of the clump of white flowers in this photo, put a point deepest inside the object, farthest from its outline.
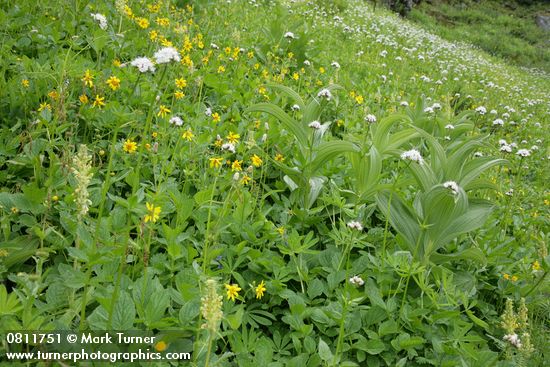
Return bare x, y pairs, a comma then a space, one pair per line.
498, 122
324, 93
176, 120
451, 185
412, 155
315, 125
370, 118
335, 65
100, 18
167, 54
290, 35
355, 225
229, 147
481, 110
143, 64
356, 281
523, 153
295, 107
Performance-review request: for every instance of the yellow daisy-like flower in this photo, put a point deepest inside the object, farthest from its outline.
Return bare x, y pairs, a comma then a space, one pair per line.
260, 289
322, 70
215, 162
536, 265
25, 83
83, 99
163, 110
506, 276
116, 63
129, 146
179, 94
514, 278
295, 76
43, 106
232, 291
245, 180
113, 82
221, 69
236, 165
256, 160
98, 101
359, 99
216, 117
153, 213
181, 83
142, 23
279, 157
153, 35
88, 79
188, 135
161, 346
233, 137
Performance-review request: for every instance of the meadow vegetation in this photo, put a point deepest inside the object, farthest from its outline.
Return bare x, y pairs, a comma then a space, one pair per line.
282, 183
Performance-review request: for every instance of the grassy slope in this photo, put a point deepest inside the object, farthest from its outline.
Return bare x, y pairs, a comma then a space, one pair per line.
505, 29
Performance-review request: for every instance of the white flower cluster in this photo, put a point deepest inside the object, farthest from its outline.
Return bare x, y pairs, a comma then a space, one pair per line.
355, 225
412, 155
295, 107
335, 65
175, 120
451, 185
356, 281
100, 18
167, 54
324, 93
523, 153
143, 64
481, 110
370, 118
290, 35
513, 339
228, 146
315, 125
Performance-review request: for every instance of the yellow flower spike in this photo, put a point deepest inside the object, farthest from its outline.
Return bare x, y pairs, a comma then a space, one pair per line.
153, 213
260, 289
232, 291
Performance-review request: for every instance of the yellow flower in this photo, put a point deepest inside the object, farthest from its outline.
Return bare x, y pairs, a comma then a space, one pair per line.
44, 106
181, 83
116, 63
179, 94
221, 69
188, 135
232, 291
218, 143
215, 162
245, 180
142, 23
536, 265
514, 278
153, 213
98, 101
163, 22
153, 35
14, 210
129, 146
279, 157
163, 110
113, 82
236, 165
322, 70
506, 276
88, 79
233, 137
161, 346
256, 161
55, 198
250, 54
83, 99
295, 76
25, 83
340, 123
281, 230
260, 289
359, 99
216, 117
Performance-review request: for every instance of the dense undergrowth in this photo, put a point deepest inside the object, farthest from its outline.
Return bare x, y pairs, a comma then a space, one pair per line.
359, 191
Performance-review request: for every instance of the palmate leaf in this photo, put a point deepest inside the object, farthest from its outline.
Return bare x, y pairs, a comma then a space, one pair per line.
297, 129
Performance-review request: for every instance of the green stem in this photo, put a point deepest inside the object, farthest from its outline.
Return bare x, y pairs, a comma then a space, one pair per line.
207, 234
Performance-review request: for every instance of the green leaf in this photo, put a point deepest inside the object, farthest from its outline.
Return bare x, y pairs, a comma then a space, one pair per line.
472, 253
373, 346
235, 320
329, 150
9, 304
324, 351
124, 312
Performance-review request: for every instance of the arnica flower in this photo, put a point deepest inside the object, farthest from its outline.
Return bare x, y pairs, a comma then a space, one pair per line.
25, 83
181, 83
256, 161
142, 23
82, 170
233, 137
163, 110
232, 291
279, 157
236, 165
113, 82
215, 162
83, 99
245, 180
211, 307
260, 289
88, 79
153, 213
129, 146
43, 106
188, 135
99, 101
216, 117
536, 266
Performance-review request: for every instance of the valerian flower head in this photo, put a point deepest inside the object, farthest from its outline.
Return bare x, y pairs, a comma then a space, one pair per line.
82, 171
211, 307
